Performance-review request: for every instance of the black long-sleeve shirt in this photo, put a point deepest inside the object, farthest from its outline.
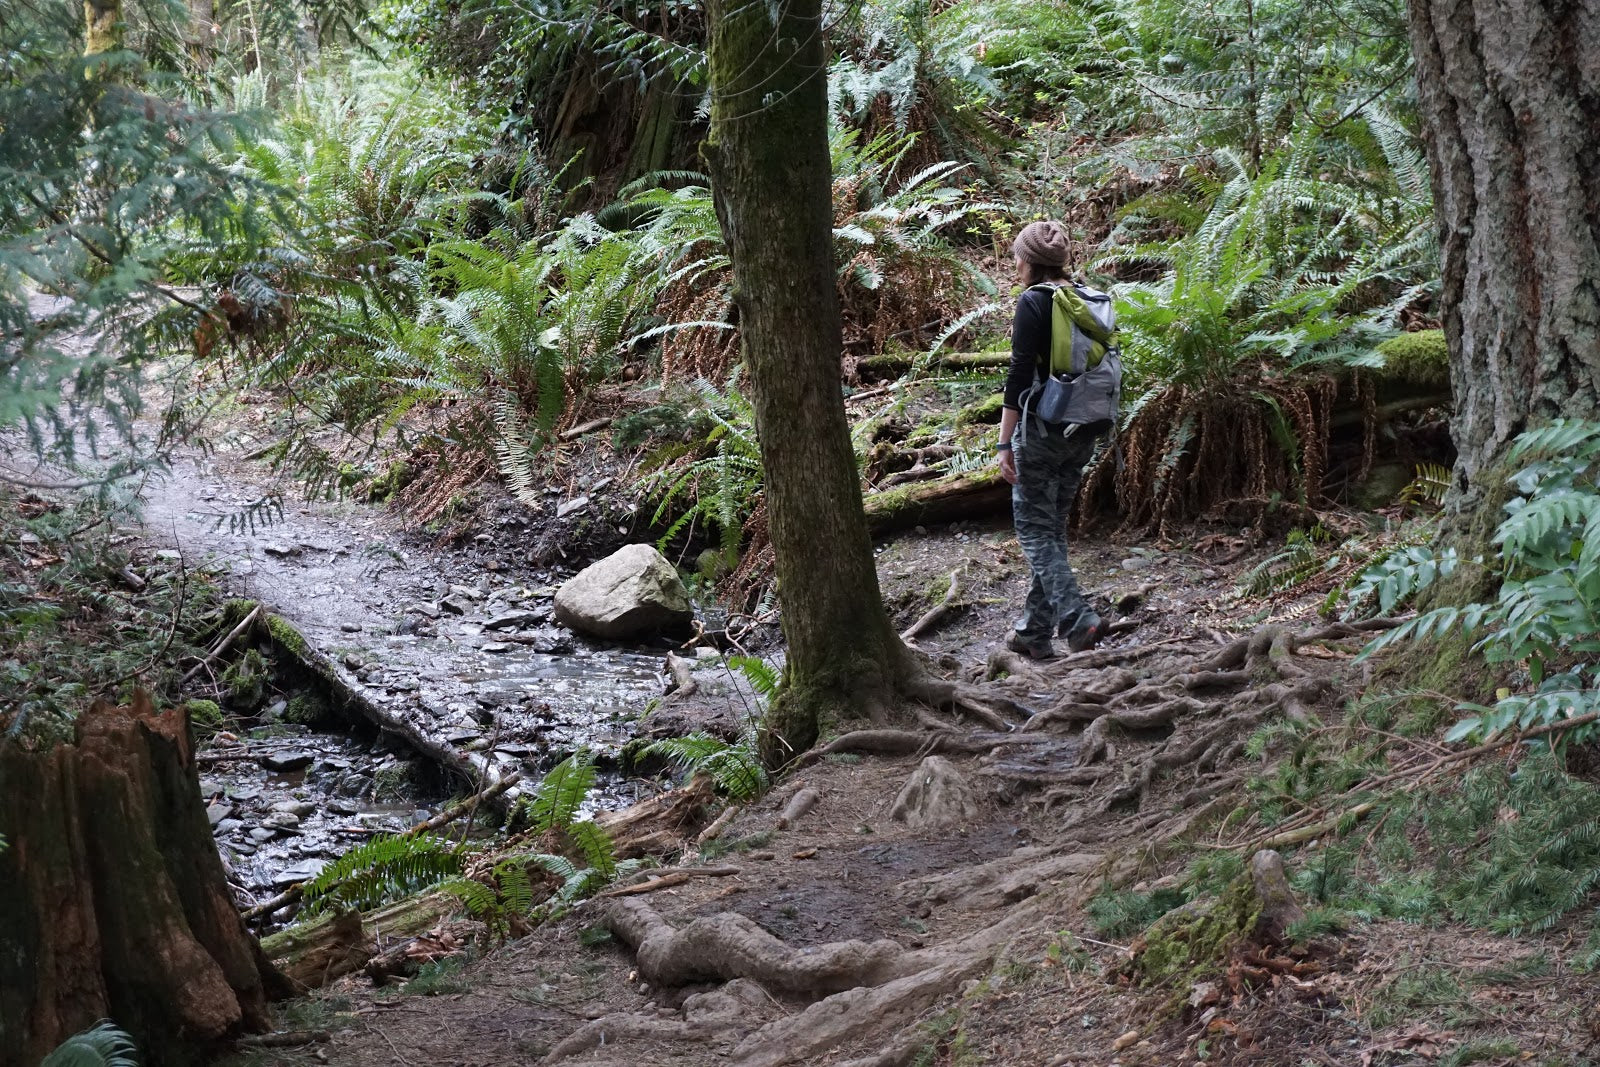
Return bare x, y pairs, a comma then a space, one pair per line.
1030, 345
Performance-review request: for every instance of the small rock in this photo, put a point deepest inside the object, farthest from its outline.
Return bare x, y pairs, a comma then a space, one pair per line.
1136, 563
336, 806
280, 549
510, 619
228, 826
706, 652
1204, 994
218, 812
293, 760
1127, 1040
429, 608
276, 709
242, 848
469, 592
350, 627
300, 809
245, 791
763, 855
303, 871
281, 820
261, 836
577, 503
495, 646
454, 605
169, 556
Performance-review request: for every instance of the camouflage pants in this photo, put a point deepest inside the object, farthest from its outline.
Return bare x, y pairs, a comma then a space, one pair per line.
1049, 470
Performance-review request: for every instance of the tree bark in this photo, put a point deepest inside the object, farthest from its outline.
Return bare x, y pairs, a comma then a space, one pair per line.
115, 900
102, 26
771, 180
1510, 101
202, 35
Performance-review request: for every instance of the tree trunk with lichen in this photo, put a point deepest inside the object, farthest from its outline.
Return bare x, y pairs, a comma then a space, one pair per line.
115, 903
1510, 101
771, 179
102, 26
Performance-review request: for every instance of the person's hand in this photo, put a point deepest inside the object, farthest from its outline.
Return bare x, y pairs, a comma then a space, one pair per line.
1008, 465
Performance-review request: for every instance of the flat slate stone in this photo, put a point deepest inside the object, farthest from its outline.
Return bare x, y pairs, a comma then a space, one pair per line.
291, 760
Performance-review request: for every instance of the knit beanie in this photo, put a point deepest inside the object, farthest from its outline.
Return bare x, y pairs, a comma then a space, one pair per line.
1044, 243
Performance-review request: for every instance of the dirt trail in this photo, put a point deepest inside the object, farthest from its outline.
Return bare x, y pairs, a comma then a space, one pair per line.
932, 910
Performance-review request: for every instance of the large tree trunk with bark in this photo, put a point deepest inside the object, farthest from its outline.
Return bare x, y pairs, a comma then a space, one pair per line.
1510, 100
771, 177
115, 902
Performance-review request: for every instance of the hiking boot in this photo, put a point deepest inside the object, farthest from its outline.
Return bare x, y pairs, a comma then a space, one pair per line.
1032, 649
1091, 629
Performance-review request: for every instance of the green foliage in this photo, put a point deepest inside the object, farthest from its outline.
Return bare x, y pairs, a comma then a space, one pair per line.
73, 628
245, 680
1544, 621
901, 68
441, 977
735, 768
1122, 913
382, 869
1249, 287
722, 489
103, 1045
554, 805
106, 168
1430, 486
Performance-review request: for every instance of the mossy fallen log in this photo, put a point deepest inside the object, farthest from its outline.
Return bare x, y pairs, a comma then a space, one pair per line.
968, 495
894, 364
315, 952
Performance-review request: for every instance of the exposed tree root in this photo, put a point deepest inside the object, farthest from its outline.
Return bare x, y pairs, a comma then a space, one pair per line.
728, 945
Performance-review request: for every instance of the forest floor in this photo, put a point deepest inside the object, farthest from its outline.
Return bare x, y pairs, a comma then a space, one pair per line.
954, 928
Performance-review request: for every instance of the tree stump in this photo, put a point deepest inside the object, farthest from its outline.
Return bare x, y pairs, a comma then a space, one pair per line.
115, 901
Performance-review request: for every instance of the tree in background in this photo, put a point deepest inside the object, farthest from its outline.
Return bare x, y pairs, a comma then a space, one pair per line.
1510, 98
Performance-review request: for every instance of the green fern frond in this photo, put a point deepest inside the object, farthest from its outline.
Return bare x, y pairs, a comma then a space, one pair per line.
595, 846
555, 803
1430, 485
382, 869
735, 769
103, 1045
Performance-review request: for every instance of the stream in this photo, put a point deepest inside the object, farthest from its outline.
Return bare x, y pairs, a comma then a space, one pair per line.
457, 645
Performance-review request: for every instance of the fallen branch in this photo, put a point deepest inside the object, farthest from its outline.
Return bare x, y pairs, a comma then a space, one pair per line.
720, 823
667, 879
244, 625
585, 427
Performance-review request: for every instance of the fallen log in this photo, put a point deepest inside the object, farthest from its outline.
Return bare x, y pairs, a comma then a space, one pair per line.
313, 953
894, 364
970, 494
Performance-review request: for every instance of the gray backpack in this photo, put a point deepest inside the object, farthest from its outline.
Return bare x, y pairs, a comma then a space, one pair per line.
1085, 380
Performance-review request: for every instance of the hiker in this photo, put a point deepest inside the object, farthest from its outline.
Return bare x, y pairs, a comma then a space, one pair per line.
1060, 398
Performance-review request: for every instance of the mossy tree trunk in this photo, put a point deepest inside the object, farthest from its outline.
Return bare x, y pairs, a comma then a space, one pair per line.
771, 179
102, 26
1510, 101
115, 904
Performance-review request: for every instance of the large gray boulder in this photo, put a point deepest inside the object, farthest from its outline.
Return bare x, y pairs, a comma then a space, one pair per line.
631, 593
